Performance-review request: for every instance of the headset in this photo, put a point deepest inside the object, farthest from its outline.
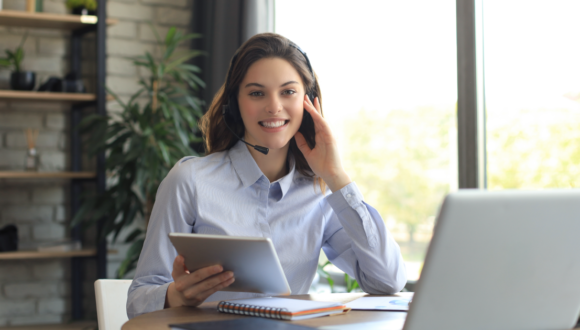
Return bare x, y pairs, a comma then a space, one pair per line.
231, 111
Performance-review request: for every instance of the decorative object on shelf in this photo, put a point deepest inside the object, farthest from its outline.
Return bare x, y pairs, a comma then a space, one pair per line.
82, 7
39, 6
32, 161
53, 84
8, 238
70, 84
142, 144
19, 80
31, 6
22, 80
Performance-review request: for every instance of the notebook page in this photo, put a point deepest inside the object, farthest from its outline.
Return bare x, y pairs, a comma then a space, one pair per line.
292, 305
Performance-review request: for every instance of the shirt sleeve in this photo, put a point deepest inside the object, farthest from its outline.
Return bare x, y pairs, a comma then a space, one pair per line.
173, 212
358, 243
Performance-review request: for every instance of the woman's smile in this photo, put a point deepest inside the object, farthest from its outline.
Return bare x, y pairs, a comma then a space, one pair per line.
274, 124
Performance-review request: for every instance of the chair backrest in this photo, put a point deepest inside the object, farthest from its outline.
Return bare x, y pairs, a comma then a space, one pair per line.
111, 303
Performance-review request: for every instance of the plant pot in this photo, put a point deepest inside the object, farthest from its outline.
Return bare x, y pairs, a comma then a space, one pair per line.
83, 11
22, 80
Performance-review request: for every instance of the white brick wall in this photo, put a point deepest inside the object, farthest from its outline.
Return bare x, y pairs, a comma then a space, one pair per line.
31, 289
38, 291
16, 307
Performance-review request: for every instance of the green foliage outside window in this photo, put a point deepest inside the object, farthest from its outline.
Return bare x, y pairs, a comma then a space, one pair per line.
534, 149
400, 160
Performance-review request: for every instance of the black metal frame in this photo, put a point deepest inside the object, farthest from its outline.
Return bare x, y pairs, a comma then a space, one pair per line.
77, 273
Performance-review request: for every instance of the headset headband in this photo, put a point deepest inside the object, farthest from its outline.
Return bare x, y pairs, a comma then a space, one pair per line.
291, 44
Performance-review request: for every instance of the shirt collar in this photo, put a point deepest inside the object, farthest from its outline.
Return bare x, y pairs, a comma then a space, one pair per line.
245, 165
286, 181
249, 172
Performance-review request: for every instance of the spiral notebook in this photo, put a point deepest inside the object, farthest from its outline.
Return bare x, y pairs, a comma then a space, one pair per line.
282, 308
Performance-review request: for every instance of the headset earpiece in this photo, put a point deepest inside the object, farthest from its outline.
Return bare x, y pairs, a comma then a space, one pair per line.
231, 112
234, 109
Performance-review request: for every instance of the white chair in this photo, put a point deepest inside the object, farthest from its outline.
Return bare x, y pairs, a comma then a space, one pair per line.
111, 303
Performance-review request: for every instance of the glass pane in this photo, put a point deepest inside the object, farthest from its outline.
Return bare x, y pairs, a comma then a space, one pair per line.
532, 70
387, 71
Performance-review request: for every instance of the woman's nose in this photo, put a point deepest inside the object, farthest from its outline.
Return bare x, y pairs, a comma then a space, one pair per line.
274, 105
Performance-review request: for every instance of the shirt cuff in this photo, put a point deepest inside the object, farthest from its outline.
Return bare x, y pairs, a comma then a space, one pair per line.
347, 197
160, 294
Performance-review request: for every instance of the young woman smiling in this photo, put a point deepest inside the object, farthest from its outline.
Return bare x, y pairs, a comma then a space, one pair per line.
298, 194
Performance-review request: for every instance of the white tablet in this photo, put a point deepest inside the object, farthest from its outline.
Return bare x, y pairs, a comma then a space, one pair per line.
253, 260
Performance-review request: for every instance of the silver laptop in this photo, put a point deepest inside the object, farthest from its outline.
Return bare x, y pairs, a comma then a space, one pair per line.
502, 260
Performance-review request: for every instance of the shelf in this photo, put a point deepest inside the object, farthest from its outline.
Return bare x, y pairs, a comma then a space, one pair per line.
47, 20
10, 95
19, 255
47, 175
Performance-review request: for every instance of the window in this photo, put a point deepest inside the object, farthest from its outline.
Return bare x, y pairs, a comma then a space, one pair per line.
388, 75
532, 93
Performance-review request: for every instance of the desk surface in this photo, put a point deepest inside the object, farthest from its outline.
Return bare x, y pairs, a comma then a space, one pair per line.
208, 312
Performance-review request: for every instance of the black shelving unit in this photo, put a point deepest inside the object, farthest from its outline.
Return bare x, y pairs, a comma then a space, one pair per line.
76, 150
79, 27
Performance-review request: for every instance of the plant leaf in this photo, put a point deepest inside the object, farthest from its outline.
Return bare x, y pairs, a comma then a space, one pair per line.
169, 36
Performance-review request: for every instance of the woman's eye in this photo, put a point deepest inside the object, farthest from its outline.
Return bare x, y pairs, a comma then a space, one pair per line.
256, 94
289, 92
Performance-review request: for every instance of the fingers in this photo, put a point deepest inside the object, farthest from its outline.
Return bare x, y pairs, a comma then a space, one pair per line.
193, 288
185, 282
217, 288
204, 289
311, 107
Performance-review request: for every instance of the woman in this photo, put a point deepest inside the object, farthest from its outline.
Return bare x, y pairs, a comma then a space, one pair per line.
297, 194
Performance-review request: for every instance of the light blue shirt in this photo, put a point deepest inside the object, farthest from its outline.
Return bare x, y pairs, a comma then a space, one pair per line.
226, 193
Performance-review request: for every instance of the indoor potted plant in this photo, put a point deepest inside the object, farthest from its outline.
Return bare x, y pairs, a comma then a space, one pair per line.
82, 7
19, 80
143, 142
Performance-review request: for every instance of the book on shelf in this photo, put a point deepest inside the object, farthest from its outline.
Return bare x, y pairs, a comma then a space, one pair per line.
282, 308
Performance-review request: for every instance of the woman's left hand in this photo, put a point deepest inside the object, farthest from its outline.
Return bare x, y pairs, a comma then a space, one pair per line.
324, 159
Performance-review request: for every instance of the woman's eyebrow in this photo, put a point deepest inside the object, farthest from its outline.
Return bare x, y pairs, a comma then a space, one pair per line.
254, 84
288, 83
262, 86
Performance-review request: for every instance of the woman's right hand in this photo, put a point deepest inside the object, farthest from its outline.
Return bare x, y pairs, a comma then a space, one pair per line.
191, 289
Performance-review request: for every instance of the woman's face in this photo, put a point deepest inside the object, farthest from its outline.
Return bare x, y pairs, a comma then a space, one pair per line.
271, 102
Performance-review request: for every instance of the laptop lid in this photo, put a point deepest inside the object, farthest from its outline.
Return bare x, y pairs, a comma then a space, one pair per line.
501, 260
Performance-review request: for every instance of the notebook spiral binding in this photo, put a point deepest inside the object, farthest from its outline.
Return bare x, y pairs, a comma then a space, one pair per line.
251, 310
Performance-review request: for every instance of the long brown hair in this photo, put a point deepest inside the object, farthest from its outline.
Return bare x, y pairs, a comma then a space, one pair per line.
266, 45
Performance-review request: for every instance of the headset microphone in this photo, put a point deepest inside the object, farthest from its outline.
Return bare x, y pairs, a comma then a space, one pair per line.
261, 149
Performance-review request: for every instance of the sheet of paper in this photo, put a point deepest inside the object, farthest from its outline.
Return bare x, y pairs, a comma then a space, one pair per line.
393, 303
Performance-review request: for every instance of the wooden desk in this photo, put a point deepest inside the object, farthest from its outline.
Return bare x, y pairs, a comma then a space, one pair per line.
208, 312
